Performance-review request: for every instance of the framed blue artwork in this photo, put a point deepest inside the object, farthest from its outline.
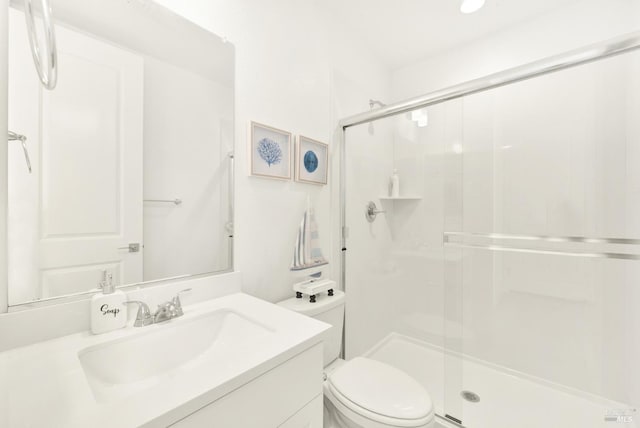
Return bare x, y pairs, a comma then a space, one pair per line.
312, 161
270, 152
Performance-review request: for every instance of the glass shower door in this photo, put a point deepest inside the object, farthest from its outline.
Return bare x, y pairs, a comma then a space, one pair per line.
542, 244
394, 278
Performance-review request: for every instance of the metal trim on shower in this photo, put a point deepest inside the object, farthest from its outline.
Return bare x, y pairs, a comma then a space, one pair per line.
545, 245
175, 201
608, 48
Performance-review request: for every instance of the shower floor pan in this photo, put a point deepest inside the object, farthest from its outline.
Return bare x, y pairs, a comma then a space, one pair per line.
506, 398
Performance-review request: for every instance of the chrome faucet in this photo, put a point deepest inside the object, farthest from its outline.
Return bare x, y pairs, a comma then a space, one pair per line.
165, 311
144, 317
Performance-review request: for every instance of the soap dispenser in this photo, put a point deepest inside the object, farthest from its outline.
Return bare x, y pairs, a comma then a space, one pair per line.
108, 311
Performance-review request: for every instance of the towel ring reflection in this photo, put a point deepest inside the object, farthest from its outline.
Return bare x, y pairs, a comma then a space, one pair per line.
48, 77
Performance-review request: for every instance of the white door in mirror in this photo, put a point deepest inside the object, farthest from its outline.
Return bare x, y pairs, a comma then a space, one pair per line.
84, 197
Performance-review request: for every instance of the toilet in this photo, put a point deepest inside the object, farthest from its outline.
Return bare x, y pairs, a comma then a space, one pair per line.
362, 392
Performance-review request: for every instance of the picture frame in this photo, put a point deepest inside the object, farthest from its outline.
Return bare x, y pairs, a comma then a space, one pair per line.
270, 152
312, 161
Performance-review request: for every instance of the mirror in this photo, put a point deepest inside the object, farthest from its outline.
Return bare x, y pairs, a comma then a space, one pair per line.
131, 153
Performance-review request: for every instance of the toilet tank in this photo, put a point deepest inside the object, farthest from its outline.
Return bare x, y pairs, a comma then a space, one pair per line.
329, 309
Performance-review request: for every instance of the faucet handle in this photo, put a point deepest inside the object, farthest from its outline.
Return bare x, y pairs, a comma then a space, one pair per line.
178, 304
143, 317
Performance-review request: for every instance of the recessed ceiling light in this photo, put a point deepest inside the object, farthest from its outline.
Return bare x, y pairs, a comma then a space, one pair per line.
470, 6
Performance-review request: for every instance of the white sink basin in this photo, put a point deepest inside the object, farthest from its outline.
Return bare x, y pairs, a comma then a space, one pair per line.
131, 363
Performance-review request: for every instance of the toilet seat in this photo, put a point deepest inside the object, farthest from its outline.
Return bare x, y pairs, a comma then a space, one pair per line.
380, 393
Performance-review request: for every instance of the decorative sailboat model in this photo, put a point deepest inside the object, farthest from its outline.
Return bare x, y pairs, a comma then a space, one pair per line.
308, 260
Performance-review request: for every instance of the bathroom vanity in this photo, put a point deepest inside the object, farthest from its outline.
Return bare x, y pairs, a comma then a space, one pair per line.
231, 361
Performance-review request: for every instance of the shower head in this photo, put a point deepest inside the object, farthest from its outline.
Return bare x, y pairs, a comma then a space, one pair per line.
373, 103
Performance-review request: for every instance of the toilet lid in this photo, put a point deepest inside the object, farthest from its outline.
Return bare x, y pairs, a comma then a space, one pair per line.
381, 389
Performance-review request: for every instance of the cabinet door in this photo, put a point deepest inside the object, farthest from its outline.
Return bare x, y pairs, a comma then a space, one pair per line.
270, 400
310, 416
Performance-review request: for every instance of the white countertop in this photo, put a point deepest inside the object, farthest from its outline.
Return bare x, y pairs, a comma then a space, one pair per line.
44, 385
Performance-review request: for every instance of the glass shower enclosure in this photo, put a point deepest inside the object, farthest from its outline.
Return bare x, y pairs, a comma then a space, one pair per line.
505, 277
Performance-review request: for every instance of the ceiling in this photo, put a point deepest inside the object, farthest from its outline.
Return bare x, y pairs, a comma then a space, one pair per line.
401, 32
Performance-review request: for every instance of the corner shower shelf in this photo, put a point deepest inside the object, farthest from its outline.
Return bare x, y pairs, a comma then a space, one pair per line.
400, 198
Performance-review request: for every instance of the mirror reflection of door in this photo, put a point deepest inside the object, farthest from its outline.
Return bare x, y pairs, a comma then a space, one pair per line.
73, 217
142, 117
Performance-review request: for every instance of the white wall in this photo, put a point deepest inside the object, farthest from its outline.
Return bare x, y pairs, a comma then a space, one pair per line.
290, 59
579, 24
184, 158
4, 78
295, 70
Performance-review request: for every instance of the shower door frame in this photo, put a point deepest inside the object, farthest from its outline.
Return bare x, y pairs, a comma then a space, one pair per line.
581, 56
605, 49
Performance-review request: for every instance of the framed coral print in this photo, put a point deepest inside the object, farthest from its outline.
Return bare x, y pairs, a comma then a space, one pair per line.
312, 161
270, 152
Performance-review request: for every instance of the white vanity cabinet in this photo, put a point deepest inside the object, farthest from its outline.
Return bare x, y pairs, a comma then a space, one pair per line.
289, 396
230, 362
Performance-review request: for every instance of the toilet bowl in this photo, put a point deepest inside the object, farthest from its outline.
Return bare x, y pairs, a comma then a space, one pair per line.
367, 393
361, 392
